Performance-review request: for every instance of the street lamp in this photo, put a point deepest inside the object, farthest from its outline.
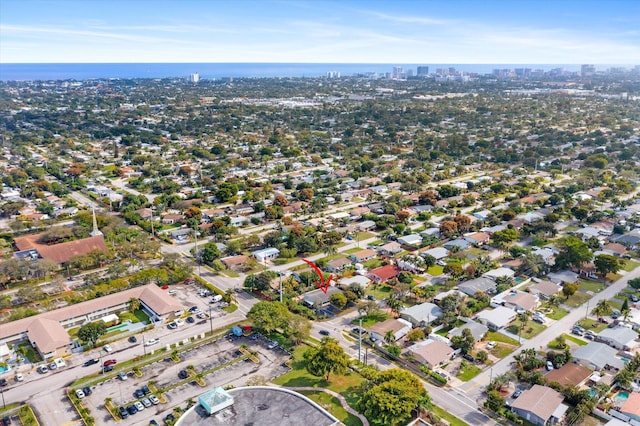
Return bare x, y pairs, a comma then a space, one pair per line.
144, 347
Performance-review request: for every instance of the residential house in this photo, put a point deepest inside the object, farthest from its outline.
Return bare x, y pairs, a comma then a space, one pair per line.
235, 262
422, 314
499, 272
266, 254
544, 289
318, 298
338, 265
547, 254
389, 249
497, 318
412, 240
460, 243
540, 405
598, 356
383, 273
477, 238
482, 215
517, 300
399, 327
363, 255
361, 280
478, 330
438, 253
482, 284
621, 338
62, 252
569, 374
564, 276
432, 353
630, 409
172, 219
365, 225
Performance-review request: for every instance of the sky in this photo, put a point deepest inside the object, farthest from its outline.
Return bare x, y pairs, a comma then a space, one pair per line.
318, 31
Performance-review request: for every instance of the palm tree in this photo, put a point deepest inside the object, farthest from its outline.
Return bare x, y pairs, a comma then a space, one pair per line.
330, 250
532, 265
389, 337
134, 304
602, 308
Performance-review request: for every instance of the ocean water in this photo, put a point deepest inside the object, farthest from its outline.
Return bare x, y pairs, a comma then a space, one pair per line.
31, 72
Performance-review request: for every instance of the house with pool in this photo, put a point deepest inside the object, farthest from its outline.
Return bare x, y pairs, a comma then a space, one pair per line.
48, 332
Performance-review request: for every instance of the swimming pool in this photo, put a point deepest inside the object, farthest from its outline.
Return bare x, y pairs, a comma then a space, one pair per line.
622, 396
3, 369
592, 393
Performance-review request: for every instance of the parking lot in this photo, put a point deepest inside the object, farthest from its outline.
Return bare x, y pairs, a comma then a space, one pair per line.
165, 374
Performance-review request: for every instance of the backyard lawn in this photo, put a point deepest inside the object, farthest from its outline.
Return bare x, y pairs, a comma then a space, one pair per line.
554, 312
591, 324
501, 351
369, 320
378, 291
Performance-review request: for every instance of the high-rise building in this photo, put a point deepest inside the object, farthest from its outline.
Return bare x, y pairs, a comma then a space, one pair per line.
423, 71
587, 70
194, 78
333, 74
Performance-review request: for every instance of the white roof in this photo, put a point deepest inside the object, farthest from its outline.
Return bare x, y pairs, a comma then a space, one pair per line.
410, 239
356, 279
499, 272
500, 316
437, 252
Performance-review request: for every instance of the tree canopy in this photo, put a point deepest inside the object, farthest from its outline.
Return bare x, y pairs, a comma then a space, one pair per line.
328, 358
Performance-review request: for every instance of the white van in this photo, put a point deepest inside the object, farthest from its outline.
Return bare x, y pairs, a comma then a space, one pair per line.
60, 362
216, 298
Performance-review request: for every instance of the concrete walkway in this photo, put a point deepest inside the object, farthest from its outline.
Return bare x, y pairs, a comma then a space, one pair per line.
343, 401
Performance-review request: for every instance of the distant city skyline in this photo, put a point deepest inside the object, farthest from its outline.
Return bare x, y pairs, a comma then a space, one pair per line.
457, 32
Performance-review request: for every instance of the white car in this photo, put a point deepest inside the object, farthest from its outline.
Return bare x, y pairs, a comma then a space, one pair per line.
172, 292
19, 377
154, 399
60, 362
108, 348
79, 393
151, 342
139, 405
179, 322
491, 345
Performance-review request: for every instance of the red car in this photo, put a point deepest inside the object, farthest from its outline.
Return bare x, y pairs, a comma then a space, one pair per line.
110, 362
164, 287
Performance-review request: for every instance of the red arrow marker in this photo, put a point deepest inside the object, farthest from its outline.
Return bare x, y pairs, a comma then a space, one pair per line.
321, 284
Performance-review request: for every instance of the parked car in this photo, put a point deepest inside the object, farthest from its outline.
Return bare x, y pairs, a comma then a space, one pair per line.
132, 339
324, 332
91, 362
145, 390
272, 345
183, 374
154, 399
138, 393
191, 320
151, 342
516, 394
634, 298
172, 326
122, 375
123, 412
146, 402
80, 393
43, 369
87, 390
3, 383
110, 362
107, 348
491, 345
469, 357
19, 377
201, 315
193, 309
615, 314
549, 366
603, 320
107, 369
139, 405
52, 366
132, 409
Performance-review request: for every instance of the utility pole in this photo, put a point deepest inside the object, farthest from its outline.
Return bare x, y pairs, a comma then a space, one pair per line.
144, 347
280, 274
360, 340
210, 320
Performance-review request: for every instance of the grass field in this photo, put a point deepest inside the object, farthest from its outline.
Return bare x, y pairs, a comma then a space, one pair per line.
468, 372
501, 351
530, 329
499, 337
380, 292
450, 418
332, 405
577, 299
589, 285
590, 324
369, 320
435, 270
575, 340
556, 312
630, 265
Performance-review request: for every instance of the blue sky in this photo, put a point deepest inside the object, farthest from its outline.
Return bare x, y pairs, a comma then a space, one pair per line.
347, 31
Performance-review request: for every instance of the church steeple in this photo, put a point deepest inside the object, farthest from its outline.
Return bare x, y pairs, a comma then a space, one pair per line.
95, 231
